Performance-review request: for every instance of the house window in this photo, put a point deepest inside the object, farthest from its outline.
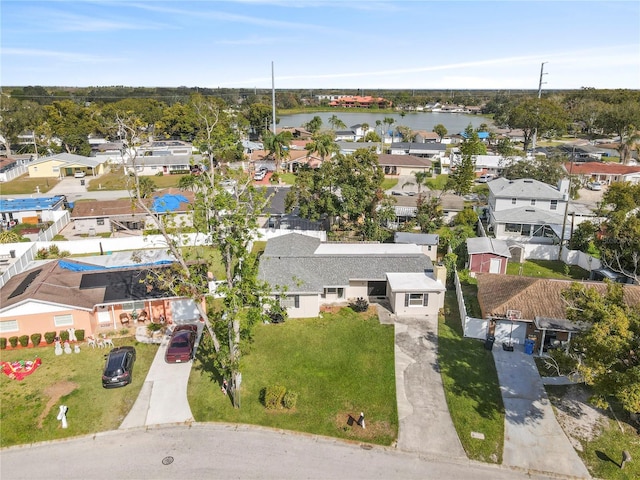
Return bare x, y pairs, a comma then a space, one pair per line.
512, 228
416, 299
339, 292
290, 301
533, 201
63, 320
56, 169
554, 204
513, 201
9, 326
100, 221
133, 306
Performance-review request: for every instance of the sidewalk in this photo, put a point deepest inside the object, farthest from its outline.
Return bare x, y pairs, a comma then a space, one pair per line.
533, 439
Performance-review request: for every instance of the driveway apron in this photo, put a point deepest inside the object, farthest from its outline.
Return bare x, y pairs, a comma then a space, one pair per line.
163, 397
533, 439
425, 424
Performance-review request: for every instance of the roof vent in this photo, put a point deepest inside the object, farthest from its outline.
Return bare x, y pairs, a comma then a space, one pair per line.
530, 210
528, 181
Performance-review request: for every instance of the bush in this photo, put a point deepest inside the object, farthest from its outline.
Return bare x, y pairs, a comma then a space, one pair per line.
24, 340
80, 334
35, 339
49, 337
360, 305
3, 343
64, 336
273, 396
13, 341
290, 400
275, 178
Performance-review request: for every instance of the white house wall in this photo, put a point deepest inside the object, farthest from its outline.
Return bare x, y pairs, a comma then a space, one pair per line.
436, 302
309, 307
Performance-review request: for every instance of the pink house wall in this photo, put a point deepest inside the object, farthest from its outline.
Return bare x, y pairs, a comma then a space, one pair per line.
44, 322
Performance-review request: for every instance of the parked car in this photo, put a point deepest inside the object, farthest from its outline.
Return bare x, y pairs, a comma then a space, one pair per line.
79, 174
486, 178
594, 186
260, 174
180, 348
118, 369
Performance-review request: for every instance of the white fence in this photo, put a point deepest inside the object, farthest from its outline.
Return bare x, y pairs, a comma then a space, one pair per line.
472, 327
60, 219
23, 254
13, 173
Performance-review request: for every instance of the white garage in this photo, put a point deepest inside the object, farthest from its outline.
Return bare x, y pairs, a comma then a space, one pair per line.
184, 311
515, 330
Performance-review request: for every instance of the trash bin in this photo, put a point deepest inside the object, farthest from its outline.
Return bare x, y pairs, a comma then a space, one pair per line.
528, 346
488, 343
82, 182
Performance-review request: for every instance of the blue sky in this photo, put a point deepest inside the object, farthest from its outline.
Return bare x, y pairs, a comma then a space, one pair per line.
321, 44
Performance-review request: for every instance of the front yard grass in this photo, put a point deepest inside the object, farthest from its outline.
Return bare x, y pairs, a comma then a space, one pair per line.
471, 387
116, 180
27, 184
340, 364
29, 407
547, 269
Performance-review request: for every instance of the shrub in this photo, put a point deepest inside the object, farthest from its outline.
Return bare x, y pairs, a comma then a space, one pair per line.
13, 341
24, 340
275, 178
290, 400
49, 337
35, 339
80, 335
64, 336
3, 343
359, 305
154, 327
273, 396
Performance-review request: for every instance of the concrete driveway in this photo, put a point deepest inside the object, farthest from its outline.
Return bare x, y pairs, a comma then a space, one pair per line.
425, 423
533, 439
163, 397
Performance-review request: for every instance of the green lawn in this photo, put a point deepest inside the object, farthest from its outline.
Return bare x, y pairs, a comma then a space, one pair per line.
339, 365
438, 182
26, 417
603, 454
388, 183
471, 387
116, 180
547, 269
26, 184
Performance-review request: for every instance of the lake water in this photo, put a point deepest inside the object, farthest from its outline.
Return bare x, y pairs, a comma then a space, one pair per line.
454, 122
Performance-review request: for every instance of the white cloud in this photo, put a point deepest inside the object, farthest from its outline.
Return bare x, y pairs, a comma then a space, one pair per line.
58, 55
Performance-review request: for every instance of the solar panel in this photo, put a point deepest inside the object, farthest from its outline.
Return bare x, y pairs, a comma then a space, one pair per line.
24, 284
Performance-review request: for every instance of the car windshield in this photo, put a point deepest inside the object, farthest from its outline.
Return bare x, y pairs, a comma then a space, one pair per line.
180, 343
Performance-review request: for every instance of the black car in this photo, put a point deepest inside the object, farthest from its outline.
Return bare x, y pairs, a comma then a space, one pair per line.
118, 370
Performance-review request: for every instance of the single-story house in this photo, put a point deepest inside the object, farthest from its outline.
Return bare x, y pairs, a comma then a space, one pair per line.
347, 148
307, 273
66, 165
422, 136
604, 172
60, 294
164, 164
424, 150
406, 206
525, 307
29, 210
428, 242
488, 255
403, 164
94, 217
165, 147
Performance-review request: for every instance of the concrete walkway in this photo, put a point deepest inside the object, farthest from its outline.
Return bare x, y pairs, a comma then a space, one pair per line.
533, 439
425, 423
163, 397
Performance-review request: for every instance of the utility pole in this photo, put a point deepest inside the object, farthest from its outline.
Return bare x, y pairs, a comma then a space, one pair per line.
535, 131
273, 97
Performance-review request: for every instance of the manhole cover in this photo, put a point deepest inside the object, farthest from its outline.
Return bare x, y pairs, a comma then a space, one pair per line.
167, 460
366, 446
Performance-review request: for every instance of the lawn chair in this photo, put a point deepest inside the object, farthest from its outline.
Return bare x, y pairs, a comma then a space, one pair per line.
124, 319
143, 316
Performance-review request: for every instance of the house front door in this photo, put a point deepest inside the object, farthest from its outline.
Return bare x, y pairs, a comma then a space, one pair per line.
494, 265
377, 289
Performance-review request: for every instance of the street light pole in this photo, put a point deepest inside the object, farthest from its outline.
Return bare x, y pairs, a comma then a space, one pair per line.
535, 131
566, 207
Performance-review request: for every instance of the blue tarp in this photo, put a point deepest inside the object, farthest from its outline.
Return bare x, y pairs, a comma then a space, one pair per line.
168, 203
77, 267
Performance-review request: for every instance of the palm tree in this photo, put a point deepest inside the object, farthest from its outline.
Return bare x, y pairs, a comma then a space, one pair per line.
278, 146
379, 125
365, 129
336, 123
421, 181
626, 146
323, 144
389, 121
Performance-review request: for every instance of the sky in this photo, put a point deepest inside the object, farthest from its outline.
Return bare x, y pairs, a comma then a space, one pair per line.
315, 44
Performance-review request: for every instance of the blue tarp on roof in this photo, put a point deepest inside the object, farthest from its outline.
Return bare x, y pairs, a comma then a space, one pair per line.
168, 203
481, 135
81, 267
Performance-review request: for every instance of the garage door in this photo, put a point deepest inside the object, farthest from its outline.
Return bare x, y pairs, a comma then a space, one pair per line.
184, 311
503, 331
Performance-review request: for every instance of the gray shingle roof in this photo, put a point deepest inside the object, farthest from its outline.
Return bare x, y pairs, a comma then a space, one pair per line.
523, 188
290, 262
417, 238
528, 215
71, 158
488, 245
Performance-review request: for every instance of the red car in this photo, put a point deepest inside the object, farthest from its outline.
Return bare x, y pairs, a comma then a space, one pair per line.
180, 348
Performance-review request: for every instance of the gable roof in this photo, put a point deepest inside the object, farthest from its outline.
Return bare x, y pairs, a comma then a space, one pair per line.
293, 262
386, 159
593, 168
523, 188
417, 238
71, 158
478, 245
534, 297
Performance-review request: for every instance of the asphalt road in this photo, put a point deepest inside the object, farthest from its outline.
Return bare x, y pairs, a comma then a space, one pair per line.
229, 451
